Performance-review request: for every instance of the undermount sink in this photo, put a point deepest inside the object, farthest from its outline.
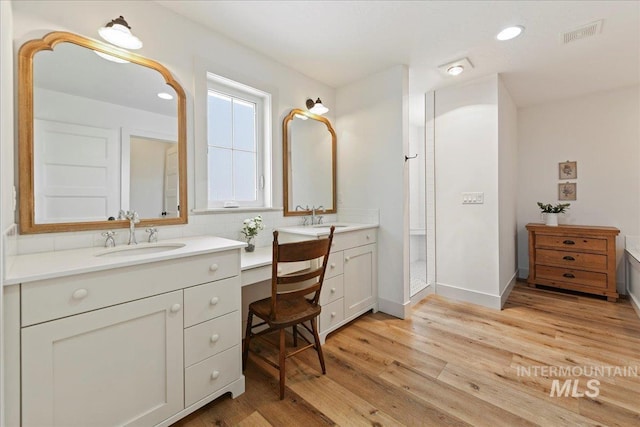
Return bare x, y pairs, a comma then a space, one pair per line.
140, 250
329, 225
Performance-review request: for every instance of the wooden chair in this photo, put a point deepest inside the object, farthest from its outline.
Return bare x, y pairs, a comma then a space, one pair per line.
293, 301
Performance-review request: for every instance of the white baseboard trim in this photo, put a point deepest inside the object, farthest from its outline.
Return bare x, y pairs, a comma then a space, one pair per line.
507, 290
422, 294
634, 302
466, 295
395, 309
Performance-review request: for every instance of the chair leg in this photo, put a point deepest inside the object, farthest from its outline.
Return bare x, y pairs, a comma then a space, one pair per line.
314, 328
295, 335
247, 340
281, 361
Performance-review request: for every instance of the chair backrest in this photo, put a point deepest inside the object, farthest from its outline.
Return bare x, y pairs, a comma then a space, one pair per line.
306, 282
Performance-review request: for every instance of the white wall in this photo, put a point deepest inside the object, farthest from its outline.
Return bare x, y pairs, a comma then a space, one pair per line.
507, 187
6, 164
372, 139
601, 132
466, 155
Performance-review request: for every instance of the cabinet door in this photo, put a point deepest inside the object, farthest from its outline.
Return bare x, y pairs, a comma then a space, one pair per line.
120, 365
359, 279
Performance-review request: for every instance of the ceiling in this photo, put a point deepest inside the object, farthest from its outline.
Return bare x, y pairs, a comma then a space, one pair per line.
339, 42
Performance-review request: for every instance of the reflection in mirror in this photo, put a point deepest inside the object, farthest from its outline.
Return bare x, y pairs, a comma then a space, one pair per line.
102, 139
309, 162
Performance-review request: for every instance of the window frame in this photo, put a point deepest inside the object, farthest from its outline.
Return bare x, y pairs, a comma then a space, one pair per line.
262, 101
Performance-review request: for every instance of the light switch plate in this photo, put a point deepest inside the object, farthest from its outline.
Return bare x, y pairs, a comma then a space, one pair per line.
473, 198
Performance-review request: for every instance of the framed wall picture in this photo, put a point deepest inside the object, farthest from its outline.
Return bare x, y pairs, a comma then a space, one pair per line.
567, 191
568, 170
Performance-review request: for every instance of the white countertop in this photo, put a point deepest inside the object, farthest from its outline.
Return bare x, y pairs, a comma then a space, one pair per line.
258, 258
323, 229
48, 265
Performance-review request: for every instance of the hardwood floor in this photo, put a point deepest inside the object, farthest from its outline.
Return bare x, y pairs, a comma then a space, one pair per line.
455, 363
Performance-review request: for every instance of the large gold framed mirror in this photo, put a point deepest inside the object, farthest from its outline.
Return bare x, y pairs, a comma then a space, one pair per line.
309, 163
101, 131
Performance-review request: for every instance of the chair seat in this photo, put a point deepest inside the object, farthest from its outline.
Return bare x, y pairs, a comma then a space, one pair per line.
290, 311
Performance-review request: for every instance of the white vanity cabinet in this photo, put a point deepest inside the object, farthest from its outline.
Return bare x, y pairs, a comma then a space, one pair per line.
140, 344
350, 286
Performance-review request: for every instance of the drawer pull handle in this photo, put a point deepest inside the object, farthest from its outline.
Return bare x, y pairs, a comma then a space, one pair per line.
333, 314
175, 308
368, 237
215, 337
214, 300
215, 375
569, 242
213, 267
80, 293
332, 265
347, 258
333, 290
569, 276
568, 258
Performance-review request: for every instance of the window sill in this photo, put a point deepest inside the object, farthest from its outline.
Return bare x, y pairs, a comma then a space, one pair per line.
210, 211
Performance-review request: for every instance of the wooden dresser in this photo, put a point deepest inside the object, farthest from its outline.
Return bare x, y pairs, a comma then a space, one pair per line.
576, 257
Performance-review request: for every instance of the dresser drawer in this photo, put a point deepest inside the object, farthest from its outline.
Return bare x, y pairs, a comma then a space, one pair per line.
49, 299
581, 260
210, 375
210, 300
572, 243
335, 265
332, 314
567, 275
352, 239
211, 337
332, 289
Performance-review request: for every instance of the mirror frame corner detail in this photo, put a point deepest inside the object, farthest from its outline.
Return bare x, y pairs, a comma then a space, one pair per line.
287, 210
26, 191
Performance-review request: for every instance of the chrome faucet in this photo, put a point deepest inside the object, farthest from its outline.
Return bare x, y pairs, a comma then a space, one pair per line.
313, 214
305, 218
109, 241
153, 234
133, 218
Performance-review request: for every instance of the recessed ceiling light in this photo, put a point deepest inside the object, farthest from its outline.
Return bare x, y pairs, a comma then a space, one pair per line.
455, 70
510, 33
165, 95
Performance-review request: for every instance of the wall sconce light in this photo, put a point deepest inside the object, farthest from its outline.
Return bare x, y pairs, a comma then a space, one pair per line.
316, 107
118, 32
455, 68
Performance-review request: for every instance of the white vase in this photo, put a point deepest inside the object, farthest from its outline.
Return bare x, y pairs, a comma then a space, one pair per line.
551, 219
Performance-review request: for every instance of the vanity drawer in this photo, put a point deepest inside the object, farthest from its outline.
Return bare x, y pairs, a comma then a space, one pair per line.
571, 259
571, 243
332, 289
566, 275
352, 239
331, 314
50, 299
204, 378
334, 265
210, 300
211, 337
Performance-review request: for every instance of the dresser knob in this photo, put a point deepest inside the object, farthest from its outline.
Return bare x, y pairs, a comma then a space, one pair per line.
215, 375
333, 314
569, 276
213, 267
333, 290
347, 258
214, 300
175, 308
80, 294
215, 337
569, 242
332, 265
368, 237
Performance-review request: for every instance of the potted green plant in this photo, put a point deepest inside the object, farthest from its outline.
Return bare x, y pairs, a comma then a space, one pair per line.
551, 212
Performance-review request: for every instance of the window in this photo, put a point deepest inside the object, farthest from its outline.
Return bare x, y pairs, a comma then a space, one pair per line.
238, 144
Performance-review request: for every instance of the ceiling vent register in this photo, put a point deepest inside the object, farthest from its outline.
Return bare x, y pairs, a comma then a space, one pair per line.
585, 31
